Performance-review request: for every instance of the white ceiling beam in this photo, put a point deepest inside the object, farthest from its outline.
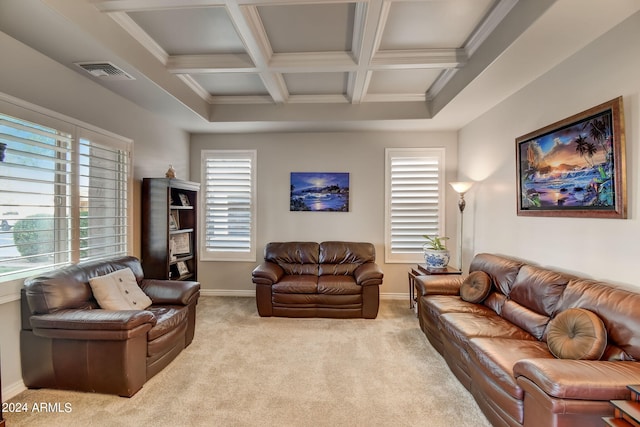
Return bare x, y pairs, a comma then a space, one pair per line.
211, 63
146, 5
140, 5
369, 24
419, 58
247, 21
312, 62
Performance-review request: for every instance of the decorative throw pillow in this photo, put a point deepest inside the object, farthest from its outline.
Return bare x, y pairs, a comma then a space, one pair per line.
119, 291
475, 287
577, 333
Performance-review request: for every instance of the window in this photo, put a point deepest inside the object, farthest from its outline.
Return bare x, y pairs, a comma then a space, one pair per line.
64, 195
414, 201
229, 205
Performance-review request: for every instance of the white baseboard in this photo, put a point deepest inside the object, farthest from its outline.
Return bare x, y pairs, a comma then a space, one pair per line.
252, 294
227, 293
388, 295
13, 390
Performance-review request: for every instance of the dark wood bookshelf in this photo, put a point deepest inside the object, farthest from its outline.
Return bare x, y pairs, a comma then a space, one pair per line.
170, 228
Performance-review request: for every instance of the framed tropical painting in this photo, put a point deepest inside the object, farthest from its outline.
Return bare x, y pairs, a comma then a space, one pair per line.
575, 167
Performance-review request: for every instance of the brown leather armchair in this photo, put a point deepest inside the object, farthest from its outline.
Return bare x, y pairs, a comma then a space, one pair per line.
68, 342
307, 279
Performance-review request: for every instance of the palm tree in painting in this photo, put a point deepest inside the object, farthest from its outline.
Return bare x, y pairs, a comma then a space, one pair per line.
586, 149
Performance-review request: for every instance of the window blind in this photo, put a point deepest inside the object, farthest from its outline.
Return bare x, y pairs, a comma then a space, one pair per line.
414, 201
35, 202
102, 183
229, 205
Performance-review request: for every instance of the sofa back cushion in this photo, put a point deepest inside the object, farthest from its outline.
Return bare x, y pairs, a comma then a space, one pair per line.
68, 287
502, 270
538, 289
616, 306
533, 299
342, 258
294, 257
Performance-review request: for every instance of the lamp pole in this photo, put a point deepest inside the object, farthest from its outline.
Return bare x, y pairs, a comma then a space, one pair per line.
461, 187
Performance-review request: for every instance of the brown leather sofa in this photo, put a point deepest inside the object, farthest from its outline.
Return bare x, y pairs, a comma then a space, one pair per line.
500, 348
307, 279
68, 342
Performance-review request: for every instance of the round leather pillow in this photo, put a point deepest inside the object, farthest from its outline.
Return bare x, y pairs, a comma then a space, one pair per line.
475, 287
577, 334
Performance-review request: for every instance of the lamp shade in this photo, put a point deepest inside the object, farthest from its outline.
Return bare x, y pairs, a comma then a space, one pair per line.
461, 187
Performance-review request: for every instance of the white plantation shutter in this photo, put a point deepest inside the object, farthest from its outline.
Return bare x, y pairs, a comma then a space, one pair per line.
103, 189
414, 198
64, 198
35, 177
229, 205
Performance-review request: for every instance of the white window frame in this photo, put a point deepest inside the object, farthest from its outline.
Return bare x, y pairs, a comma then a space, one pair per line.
77, 129
415, 255
207, 253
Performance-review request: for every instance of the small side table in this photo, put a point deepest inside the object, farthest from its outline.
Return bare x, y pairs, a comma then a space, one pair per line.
422, 270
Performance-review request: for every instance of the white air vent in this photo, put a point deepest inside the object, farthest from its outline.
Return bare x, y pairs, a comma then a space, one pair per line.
104, 70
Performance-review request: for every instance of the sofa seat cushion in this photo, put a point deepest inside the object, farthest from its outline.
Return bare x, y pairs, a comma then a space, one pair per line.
437, 305
168, 318
338, 285
495, 358
461, 327
316, 300
174, 339
296, 284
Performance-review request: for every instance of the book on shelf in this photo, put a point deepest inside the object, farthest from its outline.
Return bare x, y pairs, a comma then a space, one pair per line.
174, 221
183, 270
181, 244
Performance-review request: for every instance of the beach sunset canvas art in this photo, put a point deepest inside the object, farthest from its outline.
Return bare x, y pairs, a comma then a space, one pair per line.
319, 191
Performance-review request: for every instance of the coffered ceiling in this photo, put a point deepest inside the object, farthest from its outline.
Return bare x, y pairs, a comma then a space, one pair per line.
250, 65
310, 52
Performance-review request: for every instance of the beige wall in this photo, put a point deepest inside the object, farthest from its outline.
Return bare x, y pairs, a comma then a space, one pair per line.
360, 154
599, 248
27, 75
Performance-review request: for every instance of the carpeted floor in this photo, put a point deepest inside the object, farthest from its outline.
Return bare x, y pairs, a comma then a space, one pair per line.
244, 370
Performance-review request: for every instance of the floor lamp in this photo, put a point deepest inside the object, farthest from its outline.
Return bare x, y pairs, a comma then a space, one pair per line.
461, 187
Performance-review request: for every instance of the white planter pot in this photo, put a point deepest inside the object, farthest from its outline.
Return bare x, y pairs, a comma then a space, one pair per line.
436, 259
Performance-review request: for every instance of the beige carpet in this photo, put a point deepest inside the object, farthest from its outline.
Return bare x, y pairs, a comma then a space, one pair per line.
244, 370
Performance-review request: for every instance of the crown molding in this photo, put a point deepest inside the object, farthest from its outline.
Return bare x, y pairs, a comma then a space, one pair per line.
140, 36
483, 31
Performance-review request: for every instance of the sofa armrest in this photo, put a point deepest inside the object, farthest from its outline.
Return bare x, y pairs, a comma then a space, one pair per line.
438, 285
579, 379
368, 274
267, 273
93, 324
170, 291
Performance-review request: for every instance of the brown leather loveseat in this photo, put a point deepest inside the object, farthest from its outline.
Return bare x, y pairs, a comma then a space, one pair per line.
534, 347
68, 342
329, 279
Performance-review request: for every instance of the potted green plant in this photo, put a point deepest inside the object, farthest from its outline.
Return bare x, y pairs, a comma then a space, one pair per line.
436, 254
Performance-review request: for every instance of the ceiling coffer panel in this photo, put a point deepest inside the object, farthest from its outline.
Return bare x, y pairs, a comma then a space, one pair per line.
190, 31
309, 27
